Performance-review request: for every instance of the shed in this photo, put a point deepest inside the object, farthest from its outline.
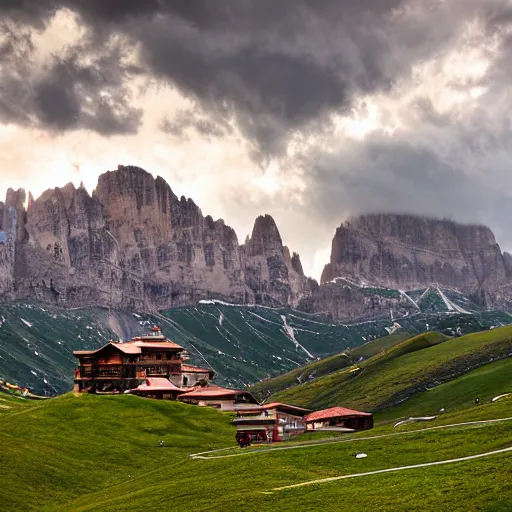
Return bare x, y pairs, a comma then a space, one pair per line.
339, 418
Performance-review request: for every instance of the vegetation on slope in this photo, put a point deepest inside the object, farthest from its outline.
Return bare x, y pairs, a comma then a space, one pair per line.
326, 366
101, 453
404, 370
90, 453
242, 344
72, 445
459, 394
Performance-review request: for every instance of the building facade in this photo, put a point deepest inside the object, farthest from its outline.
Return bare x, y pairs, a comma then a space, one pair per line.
122, 367
270, 422
339, 419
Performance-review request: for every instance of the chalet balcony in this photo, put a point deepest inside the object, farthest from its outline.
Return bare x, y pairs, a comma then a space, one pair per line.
108, 372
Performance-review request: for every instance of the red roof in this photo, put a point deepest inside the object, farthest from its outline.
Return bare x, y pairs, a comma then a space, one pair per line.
153, 344
215, 392
158, 384
334, 412
194, 369
132, 347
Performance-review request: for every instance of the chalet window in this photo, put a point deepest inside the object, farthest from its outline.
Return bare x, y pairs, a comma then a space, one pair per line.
159, 357
185, 380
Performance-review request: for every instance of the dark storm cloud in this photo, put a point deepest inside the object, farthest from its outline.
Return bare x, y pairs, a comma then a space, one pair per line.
273, 67
73, 95
189, 118
66, 94
15, 50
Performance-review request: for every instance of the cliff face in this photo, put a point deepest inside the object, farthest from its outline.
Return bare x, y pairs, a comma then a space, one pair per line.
135, 244
12, 234
406, 252
275, 277
403, 251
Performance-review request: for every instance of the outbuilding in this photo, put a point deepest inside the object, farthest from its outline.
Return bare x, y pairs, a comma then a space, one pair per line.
271, 422
339, 418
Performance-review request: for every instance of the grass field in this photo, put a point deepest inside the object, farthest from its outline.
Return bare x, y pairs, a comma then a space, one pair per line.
327, 365
402, 371
101, 453
459, 394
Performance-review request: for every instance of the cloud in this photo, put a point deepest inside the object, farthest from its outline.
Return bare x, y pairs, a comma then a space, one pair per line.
188, 118
272, 67
79, 89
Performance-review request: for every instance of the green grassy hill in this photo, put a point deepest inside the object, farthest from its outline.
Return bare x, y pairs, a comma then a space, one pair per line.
326, 366
72, 445
402, 371
459, 394
92, 453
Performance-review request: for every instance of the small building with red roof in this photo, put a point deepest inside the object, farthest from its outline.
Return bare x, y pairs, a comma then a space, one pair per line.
339, 418
191, 375
271, 422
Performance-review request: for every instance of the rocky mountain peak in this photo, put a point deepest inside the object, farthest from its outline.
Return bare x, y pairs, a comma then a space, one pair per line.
406, 251
271, 273
296, 264
265, 235
135, 244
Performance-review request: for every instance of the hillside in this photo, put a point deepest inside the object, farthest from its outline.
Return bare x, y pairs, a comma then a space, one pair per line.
91, 453
402, 371
326, 366
459, 394
243, 344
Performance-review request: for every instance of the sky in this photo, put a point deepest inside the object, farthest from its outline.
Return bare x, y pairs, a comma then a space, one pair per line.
309, 110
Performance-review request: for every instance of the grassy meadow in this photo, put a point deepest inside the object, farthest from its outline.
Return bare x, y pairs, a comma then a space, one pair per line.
101, 453
403, 370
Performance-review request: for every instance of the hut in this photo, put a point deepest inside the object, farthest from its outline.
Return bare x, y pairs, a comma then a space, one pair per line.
270, 422
339, 418
192, 375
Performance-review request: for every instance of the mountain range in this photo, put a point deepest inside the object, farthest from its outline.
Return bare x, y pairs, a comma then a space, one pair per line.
78, 269
133, 244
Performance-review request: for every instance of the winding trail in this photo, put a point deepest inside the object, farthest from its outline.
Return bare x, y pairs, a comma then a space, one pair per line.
205, 455
390, 470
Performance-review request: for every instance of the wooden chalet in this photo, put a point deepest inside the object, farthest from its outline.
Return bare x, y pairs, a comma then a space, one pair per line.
121, 367
220, 398
270, 422
340, 419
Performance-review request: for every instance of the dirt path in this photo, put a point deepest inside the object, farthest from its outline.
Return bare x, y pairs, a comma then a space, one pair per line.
390, 470
205, 455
